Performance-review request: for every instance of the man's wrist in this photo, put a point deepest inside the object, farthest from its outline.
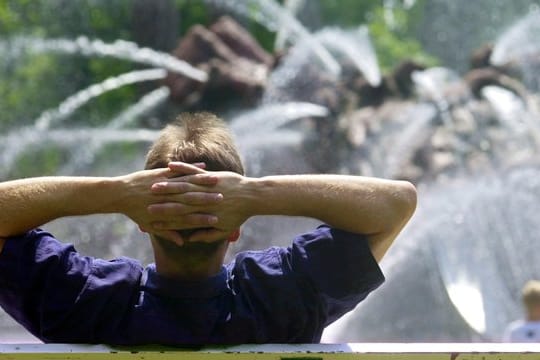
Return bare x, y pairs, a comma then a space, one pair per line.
259, 195
115, 194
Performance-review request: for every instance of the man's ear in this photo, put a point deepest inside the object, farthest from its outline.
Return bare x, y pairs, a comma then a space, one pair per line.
234, 236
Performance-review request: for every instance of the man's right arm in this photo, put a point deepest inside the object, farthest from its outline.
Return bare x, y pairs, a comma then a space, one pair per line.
376, 208
32, 202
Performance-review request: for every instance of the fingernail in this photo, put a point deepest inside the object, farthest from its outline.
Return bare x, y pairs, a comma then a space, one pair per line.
213, 220
219, 197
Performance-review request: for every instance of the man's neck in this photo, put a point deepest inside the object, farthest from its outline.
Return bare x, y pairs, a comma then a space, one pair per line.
171, 269
187, 268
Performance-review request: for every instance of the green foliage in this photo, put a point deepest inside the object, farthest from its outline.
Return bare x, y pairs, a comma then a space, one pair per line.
192, 12
40, 82
59, 18
347, 13
102, 108
117, 156
24, 89
39, 162
30, 84
395, 44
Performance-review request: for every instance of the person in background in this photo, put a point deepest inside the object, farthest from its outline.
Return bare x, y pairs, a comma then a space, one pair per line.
528, 329
192, 199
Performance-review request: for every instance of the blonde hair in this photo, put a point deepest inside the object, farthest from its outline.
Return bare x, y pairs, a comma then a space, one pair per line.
530, 294
196, 137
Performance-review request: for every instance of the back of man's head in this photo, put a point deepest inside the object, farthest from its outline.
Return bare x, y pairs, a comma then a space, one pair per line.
196, 137
192, 138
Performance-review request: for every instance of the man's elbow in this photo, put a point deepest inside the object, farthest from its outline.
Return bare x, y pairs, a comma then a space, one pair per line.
406, 199
400, 208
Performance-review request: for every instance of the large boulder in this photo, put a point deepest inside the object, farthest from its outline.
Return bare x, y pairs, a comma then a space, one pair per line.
237, 66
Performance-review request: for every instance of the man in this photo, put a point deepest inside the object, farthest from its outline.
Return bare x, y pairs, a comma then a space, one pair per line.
285, 295
527, 330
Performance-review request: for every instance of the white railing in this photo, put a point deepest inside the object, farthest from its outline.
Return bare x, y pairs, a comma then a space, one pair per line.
364, 351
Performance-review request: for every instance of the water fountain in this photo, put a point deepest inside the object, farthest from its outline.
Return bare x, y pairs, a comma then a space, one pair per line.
272, 15
455, 272
84, 46
471, 236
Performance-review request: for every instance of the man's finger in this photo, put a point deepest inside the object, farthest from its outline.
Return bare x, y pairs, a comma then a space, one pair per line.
177, 167
207, 235
184, 184
191, 221
197, 179
171, 187
170, 235
168, 209
202, 179
201, 198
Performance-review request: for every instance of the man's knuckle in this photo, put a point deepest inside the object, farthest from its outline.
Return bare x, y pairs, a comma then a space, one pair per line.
184, 187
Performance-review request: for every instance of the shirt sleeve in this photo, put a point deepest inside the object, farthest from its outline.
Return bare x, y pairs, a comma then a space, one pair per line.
339, 264
57, 294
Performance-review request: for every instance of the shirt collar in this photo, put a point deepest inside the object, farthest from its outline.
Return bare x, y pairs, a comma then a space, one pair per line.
209, 287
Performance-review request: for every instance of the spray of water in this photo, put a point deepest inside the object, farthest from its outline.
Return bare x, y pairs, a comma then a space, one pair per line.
119, 49
282, 35
81, 157
147, 103
412, 135
17, 142
54, 116
269, 117
430, 84
272, 15
520, 42
356, 46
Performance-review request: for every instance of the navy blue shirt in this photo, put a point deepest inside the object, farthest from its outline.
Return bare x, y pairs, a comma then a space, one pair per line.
278, 295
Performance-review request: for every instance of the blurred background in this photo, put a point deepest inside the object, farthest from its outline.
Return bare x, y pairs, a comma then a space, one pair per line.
441, 93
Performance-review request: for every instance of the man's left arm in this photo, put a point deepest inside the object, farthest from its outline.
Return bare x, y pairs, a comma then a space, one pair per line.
375, 208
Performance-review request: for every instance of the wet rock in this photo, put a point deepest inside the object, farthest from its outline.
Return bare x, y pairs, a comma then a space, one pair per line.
355, 125
397, 84
400, 80
442, 161
477, 79
480, 57
237, 66
240, 41
464, 121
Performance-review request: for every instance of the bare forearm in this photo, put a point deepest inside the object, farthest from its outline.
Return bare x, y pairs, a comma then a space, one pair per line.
29, 203
358, 204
